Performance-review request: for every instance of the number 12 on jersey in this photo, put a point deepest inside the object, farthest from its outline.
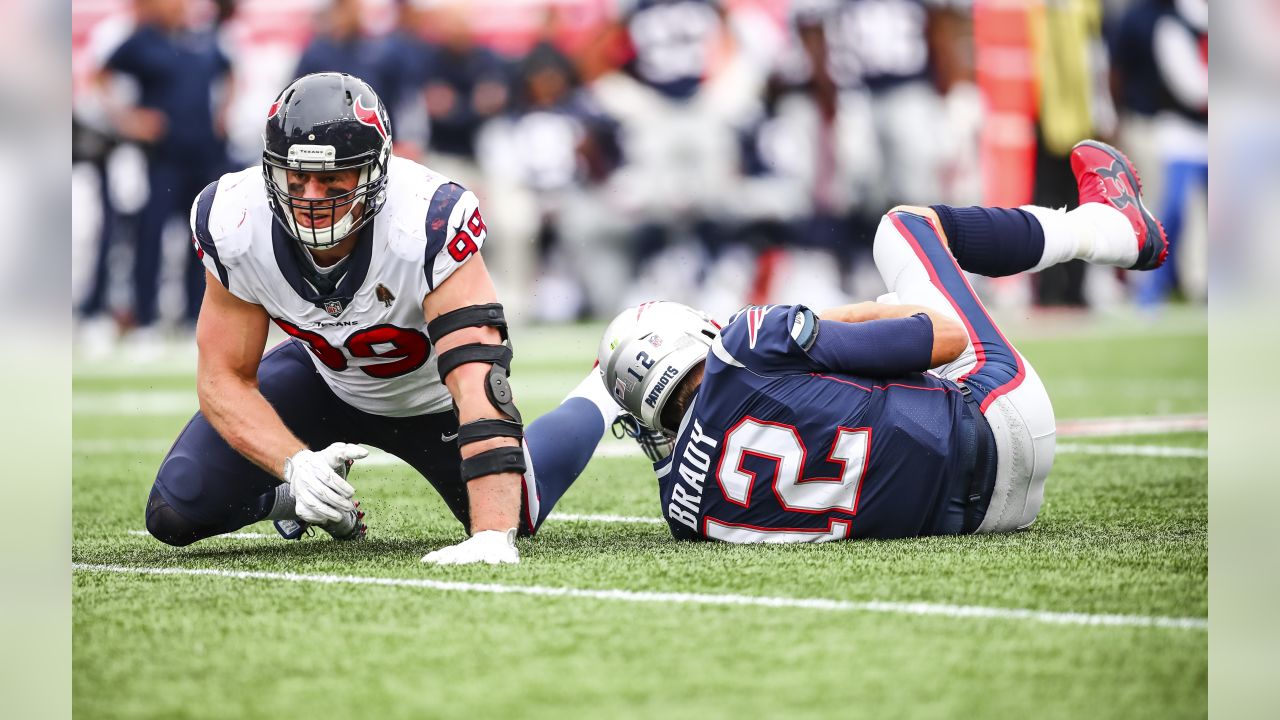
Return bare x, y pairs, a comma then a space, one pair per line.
781, 444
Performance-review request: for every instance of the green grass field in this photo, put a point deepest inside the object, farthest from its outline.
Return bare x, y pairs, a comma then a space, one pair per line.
1113, 579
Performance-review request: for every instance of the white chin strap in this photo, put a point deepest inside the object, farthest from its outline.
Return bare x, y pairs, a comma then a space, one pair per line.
326, 237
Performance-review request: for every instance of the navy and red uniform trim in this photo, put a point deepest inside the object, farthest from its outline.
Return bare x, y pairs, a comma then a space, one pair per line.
301, 276
204, 240
999, 368
438, 212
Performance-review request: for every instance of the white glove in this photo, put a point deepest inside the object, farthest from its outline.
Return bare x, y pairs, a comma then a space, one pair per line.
320, 494
488, 546
340, 456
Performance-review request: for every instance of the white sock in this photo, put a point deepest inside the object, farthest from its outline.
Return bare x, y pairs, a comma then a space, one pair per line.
285, 506
1094, 232
592, 388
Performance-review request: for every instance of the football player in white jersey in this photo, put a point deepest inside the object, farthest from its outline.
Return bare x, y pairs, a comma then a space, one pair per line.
371, 264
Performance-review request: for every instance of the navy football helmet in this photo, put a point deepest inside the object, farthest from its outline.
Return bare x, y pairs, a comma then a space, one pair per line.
327, 121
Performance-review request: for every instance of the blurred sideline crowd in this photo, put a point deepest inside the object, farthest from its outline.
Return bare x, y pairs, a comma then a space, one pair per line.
715, 152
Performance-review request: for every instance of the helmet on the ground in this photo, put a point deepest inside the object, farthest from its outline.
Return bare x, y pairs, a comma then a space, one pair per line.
647, 350
327, 121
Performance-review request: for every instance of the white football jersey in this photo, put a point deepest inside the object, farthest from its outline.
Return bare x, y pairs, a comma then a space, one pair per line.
368, 337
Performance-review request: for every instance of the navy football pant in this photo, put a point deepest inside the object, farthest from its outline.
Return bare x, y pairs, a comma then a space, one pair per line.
206, 488
215, 490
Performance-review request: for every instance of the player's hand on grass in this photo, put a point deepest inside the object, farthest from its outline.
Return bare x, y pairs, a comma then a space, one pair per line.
494, 547
320, 494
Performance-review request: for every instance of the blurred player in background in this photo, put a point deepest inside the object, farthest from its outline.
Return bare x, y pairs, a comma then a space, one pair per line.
710, 185
544, 161
393, 65
1180, 49
899, 52
675, 75
183, 87
371, 264
1072, 104
466, 85
914, 416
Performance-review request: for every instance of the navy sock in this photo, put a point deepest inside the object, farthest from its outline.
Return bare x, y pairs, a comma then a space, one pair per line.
560, 445
992, 241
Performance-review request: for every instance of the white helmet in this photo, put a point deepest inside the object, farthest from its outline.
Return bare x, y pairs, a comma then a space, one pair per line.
647, 350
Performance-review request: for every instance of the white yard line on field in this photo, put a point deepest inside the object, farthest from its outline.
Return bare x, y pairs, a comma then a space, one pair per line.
899, 608
1140, 425
1162, 451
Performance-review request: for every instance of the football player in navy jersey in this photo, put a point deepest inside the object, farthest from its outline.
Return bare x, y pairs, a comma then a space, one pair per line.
913, 415
371, 264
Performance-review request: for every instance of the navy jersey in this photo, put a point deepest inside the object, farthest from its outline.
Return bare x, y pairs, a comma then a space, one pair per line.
453, 131
176, 73
777, 448
1129, 45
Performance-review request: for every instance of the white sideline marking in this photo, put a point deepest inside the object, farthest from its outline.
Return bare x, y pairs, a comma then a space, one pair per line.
1140, 425
900, 608
1139, 450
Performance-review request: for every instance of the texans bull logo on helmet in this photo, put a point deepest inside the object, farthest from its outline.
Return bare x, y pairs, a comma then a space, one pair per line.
369, 116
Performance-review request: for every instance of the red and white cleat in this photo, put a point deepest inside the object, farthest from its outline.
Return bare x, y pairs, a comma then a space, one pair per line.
1105, 175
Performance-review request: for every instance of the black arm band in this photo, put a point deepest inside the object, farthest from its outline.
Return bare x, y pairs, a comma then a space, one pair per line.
489, 315
449, 360
478, 430
492, 462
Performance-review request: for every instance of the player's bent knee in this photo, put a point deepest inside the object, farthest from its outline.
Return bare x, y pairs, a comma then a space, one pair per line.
887, 237
913, 209
168, 525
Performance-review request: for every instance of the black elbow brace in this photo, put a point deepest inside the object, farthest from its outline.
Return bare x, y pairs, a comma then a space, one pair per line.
497, 388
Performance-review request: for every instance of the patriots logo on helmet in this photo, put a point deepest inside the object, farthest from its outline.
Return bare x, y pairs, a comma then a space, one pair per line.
369, 116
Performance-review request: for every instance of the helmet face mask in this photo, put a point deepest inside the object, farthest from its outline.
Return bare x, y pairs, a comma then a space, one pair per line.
326, 122
646, 353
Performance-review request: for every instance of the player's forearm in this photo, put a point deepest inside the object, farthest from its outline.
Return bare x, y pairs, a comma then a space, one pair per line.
495, 502
866, 311
244, 418
949, 337
494, 499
